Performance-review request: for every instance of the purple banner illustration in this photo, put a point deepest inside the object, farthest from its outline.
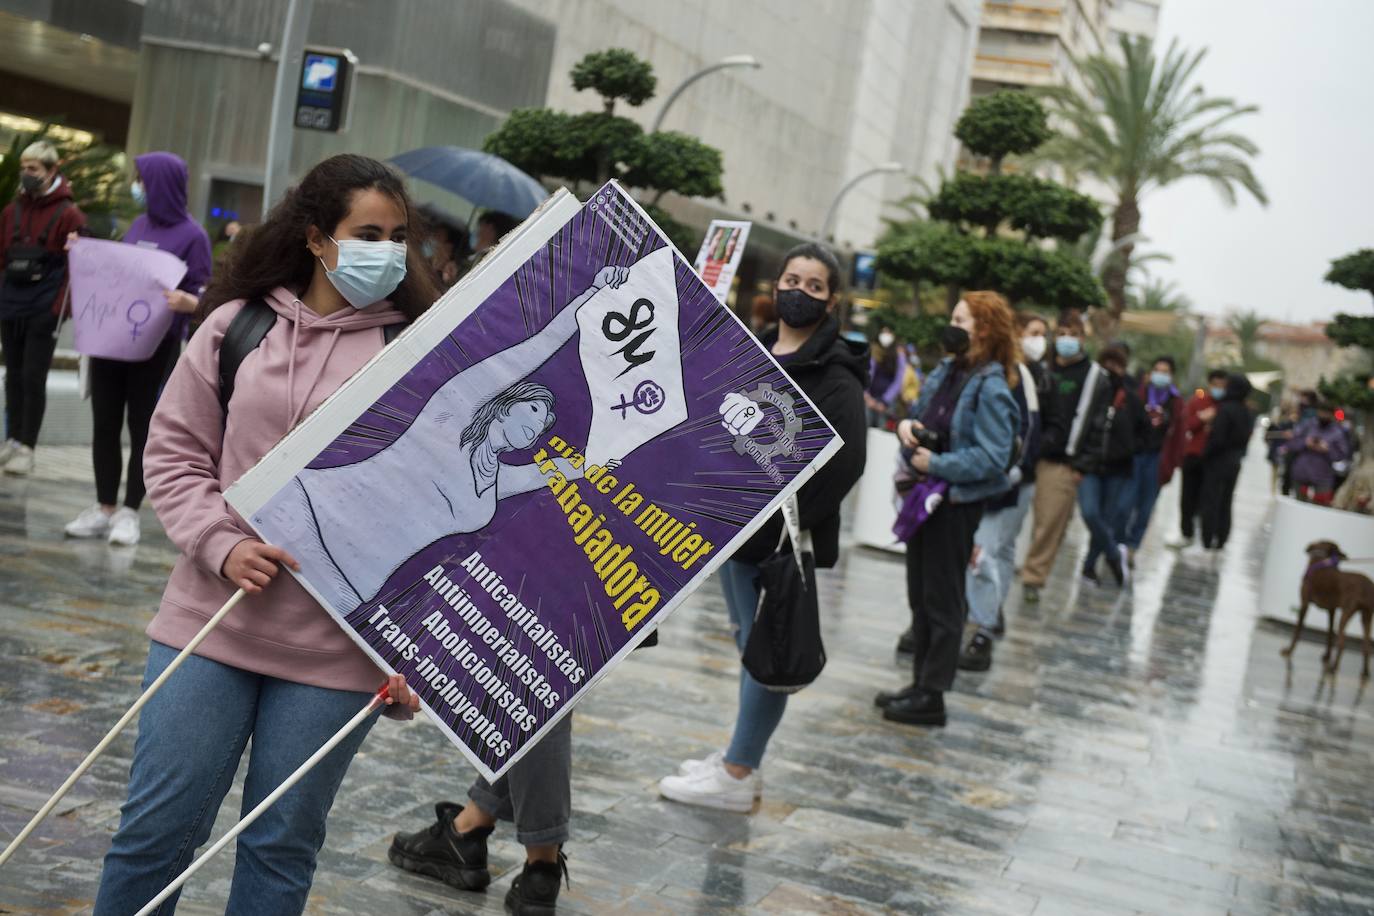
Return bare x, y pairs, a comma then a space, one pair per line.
516, 493
118, 307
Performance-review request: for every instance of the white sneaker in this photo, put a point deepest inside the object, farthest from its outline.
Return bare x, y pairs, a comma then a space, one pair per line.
1124, 553
7, 450
715, 760
1177, 542
124, 527
20, 463
92, 523
710, 788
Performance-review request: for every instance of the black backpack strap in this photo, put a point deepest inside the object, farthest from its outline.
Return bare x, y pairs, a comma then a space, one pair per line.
52, 221
246, 330
391, 331
18, 219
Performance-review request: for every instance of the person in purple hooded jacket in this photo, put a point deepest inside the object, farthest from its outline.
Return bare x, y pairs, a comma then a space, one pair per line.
1315, 447
120, 389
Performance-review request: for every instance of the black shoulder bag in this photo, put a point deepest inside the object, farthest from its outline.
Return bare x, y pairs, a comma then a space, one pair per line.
26, 265
784, 652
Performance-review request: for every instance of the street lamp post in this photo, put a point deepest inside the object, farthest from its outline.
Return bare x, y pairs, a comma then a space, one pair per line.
885, 168
734, 60
281, 127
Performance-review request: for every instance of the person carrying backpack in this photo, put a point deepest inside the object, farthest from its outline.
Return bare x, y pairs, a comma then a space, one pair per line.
332, 265
33, 236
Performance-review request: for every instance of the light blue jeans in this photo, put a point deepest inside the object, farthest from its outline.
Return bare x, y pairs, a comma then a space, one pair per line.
760, 709
988, 585
191, 736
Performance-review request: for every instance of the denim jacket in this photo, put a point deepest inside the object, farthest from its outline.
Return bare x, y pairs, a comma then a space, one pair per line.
982, 433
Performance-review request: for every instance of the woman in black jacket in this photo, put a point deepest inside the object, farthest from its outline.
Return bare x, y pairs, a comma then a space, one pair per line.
1221, 460
1106, 433
832, 372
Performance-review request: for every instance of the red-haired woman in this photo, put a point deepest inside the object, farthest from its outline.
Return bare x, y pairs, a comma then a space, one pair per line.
963, 431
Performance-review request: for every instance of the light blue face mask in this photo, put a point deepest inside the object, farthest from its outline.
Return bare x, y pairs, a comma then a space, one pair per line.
1216, 393
1160, 379
1067, 347
139, 195
367, 272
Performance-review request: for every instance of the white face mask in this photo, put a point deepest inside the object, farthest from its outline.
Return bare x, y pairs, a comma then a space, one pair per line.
887, 339
1033, 347
367, 272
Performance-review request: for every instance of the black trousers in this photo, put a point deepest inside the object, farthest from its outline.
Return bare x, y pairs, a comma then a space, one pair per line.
936, 565
1218, 487
29, 344
1190, 495
119, 388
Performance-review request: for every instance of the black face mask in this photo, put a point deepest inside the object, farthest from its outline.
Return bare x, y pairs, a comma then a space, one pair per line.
31, 183
798, 310
1323, 421
954, 340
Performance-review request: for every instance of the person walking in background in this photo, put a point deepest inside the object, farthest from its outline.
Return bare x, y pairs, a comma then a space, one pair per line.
967, 422
990, 577
832, 372
1315, 447
127, 391
331, 262
1198, 415
1221, 460
1104, 438
886, 372
1275, 438
1056, 482
33, 238
1162, 404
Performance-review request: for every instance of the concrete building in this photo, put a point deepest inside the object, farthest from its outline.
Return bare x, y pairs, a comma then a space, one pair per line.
843, 87
1033, 43
1132, 19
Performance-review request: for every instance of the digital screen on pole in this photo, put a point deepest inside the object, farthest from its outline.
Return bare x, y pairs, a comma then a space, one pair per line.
865, 271
321, 95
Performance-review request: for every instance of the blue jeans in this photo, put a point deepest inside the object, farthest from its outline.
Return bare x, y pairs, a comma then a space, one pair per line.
1140, 505
1102, 500
191, 736
760, 709
987, 586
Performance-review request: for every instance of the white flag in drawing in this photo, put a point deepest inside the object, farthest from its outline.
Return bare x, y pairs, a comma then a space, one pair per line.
632, 359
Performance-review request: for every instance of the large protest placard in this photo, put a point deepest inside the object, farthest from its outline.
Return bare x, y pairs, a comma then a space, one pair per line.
118, 307
511, 496
720, 254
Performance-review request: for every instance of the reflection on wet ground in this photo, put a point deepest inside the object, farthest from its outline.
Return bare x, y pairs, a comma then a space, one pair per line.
1146, 752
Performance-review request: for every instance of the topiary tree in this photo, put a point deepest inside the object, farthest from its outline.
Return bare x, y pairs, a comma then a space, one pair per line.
1010, 233
1354, 271
594, 147
1355, 391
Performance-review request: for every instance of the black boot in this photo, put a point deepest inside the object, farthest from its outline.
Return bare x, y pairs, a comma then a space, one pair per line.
924, 707
886, 698
534, 892
906, 643
999, 629
977, 655
439, 851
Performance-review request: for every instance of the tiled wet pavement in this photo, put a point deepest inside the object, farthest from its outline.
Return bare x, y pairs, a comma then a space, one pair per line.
1129, 753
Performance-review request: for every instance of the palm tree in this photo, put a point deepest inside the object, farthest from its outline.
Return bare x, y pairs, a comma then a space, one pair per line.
1246, 326
1144, 124
1158, 295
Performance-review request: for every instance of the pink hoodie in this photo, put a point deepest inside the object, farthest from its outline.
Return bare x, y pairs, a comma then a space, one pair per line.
191, 457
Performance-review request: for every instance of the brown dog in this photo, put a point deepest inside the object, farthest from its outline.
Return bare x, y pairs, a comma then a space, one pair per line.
1330, 589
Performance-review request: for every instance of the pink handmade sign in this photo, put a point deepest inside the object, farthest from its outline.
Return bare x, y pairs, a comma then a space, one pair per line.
118, 307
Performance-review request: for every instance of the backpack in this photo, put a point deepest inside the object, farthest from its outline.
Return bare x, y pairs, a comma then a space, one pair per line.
245, 332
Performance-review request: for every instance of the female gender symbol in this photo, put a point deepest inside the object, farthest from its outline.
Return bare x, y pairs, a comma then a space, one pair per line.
138, 323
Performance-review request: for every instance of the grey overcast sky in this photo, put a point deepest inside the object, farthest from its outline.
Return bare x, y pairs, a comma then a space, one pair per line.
1309, 66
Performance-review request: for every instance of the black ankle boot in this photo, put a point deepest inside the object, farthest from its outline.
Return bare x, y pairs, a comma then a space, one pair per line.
438, 851
924, 707
887, 697
906, 643
534, 892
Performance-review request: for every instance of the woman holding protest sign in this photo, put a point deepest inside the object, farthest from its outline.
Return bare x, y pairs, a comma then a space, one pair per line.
832, 372
330, 270
962, 434
120, 388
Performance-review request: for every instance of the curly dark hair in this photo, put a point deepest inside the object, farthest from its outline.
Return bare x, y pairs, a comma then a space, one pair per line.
274, 252
499, 407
